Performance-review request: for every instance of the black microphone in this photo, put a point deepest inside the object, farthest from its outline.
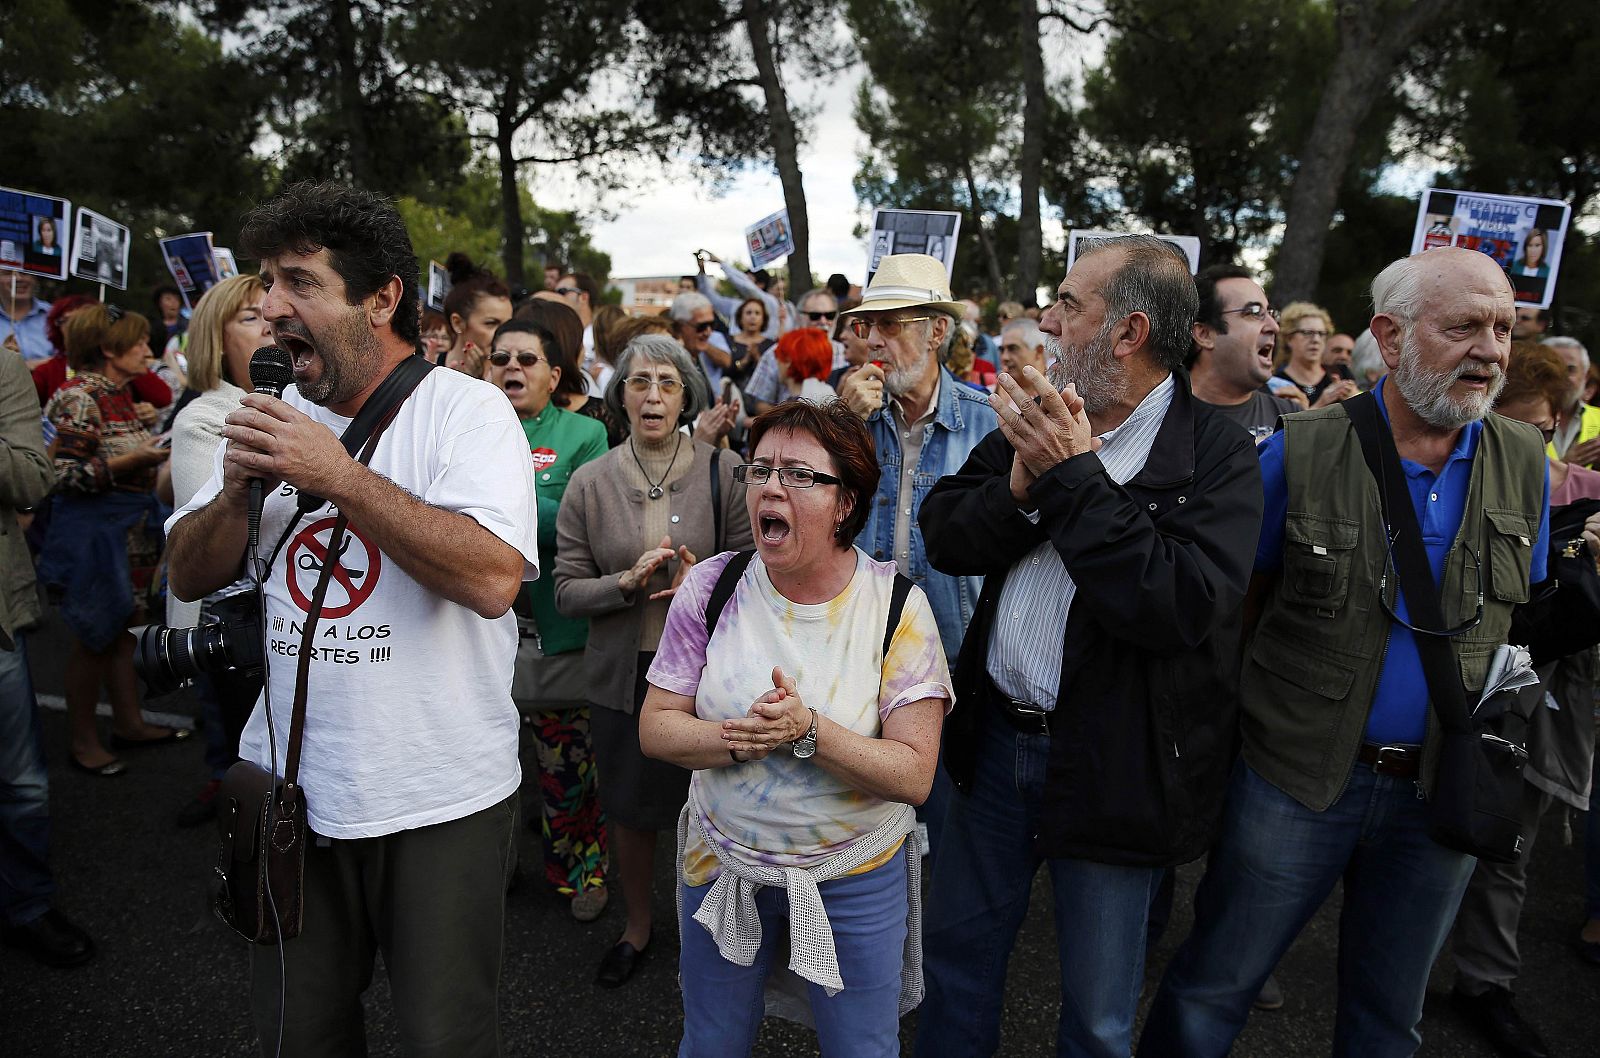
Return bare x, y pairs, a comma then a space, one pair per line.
271, 369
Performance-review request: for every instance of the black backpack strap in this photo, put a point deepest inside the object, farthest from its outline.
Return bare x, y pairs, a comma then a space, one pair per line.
722, 591
1410, 559
897, 605
716, 499
392, 392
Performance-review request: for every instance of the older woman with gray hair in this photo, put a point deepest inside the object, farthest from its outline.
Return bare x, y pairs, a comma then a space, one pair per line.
632, 523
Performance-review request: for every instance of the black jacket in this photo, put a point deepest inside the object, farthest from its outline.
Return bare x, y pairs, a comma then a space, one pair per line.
1146, 720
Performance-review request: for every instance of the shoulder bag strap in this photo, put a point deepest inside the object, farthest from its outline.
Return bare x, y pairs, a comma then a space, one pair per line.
897, 606
716, 499
723, 590
392, 392
330, 559
1410, 560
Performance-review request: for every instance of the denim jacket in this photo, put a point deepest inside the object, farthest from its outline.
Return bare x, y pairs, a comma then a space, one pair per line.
962, 420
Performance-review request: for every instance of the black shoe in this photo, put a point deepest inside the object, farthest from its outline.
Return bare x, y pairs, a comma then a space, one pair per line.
1271, 995
203, 809
52, 939
619, 965
1493, 1014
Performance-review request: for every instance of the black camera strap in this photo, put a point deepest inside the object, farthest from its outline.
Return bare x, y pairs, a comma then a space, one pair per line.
1411, 567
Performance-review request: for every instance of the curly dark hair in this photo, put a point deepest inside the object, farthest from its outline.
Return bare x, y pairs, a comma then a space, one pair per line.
366, 240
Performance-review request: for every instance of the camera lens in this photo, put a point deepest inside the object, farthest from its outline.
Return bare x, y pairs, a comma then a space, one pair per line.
168, 658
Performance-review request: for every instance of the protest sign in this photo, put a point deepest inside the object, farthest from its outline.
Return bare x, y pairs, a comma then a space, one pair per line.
33, 233
227, 267
1188, 245
769, 239
192, 264
438, 285
1524, 236
100, 250
932, 232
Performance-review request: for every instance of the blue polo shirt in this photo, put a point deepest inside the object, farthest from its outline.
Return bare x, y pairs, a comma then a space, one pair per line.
31, 337
1400, 705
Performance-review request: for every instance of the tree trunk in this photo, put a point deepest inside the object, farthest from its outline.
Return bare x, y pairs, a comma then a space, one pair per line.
1373, 36
350, 105
785, 144
1030, 160
510, 199
990, 258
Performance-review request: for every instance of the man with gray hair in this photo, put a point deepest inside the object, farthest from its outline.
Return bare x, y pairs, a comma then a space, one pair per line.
818, 310
1022, 345
1113, 519
1339, 751
1577, 437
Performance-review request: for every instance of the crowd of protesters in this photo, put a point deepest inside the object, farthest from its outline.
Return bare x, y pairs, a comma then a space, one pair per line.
1106, 591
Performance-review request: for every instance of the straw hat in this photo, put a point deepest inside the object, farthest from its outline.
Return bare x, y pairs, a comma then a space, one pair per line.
909, 280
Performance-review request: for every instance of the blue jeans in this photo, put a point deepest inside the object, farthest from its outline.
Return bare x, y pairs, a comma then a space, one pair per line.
25, 884
723, 1002
1273, 866
982, 879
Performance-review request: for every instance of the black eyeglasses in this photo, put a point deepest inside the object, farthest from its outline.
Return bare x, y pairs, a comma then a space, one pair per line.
502, 358
1447, 633
564, 291
793, 477
1253, 310
815, 316
703, 328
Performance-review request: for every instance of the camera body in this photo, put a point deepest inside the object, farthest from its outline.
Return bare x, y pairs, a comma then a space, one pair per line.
169, 658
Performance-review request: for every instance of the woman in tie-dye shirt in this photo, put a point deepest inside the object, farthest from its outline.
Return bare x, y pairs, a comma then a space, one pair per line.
809, 743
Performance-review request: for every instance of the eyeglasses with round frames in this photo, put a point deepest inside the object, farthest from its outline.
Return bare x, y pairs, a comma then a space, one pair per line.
642, 384
791, 477
862, 327
1252, 310
502, 358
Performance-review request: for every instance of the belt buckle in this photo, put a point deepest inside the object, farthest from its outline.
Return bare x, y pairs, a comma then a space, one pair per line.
1028, 712
1401, 757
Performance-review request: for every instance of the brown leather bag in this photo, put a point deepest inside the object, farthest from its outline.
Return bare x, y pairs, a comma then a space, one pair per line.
262, 855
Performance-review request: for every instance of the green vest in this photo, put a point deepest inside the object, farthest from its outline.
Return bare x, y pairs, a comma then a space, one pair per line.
1312, 668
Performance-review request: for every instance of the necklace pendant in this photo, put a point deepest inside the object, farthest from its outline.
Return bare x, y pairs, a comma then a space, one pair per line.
656, 493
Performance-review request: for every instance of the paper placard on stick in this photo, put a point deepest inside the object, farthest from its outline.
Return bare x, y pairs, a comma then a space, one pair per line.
438, 285
100, 250
932, 232
192, 263
227, 267
769, 239
1188, 245
34, 233
1524, 236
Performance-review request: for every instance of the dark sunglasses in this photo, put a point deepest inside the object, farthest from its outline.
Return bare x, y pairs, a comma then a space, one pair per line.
501, 358
703, 328
815, 316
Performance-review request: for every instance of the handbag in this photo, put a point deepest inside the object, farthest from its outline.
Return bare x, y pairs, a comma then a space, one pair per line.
1478, 787
1565, 618
543, 681
258, 881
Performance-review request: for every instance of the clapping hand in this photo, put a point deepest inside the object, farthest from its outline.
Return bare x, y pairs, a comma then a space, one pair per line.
686, 561
777, 717
1045, 431
642, 570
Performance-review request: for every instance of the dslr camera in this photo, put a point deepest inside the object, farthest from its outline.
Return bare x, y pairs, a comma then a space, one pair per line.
167, 658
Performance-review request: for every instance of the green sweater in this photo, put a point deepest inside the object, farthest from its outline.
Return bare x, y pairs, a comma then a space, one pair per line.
560, 442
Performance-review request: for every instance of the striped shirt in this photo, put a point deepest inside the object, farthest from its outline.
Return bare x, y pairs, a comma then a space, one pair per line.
1025, 646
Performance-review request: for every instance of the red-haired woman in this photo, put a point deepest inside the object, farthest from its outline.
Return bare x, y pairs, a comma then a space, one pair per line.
805, 358
105, 531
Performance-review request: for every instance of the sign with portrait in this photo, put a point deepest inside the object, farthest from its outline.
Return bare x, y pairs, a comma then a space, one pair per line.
1188, 245
227, 266
34, 233
438, 285
928, 231
192, 263
100, 250
769, 239
1523, 235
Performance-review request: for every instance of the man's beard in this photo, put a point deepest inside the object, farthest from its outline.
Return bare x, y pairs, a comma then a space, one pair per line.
350, 358
902, 378
1092, 369
1428, 393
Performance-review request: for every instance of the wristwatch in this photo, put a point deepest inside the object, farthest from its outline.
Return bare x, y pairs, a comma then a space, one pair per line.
806, 745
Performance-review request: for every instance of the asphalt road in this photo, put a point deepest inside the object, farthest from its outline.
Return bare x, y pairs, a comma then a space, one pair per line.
169, 981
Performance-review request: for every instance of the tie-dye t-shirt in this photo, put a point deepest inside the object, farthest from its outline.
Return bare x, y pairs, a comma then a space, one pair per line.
782, 811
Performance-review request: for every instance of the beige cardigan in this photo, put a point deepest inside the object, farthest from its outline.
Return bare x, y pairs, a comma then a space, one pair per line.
597, 539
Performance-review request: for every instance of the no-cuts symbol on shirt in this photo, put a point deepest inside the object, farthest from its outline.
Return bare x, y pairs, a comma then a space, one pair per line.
543, 459
355, 573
